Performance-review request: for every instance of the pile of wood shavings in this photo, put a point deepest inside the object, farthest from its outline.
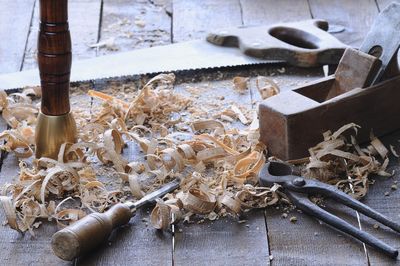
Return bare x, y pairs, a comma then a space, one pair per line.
20, 114
340, 161
213, 162
217, 165
216, 162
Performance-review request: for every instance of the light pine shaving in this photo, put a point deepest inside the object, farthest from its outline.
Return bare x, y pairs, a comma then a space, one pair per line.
340, 161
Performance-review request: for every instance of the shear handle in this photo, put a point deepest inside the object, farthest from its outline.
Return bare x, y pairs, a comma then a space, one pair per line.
316, 187
303, 203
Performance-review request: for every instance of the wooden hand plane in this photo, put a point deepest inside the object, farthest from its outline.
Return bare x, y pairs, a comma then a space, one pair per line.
364, 90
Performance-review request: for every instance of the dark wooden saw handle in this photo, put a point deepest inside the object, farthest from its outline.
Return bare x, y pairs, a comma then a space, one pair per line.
303, 43
54, 56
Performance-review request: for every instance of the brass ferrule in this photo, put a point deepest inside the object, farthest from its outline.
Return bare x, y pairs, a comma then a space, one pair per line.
52, 132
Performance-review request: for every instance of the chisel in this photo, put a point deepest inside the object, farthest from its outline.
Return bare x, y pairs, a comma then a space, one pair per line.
86, 234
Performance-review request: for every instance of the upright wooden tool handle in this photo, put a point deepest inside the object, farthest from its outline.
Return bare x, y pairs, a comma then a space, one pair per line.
89, 232
54, 56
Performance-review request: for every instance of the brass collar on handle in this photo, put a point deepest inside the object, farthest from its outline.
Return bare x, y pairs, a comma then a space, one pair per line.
52, 132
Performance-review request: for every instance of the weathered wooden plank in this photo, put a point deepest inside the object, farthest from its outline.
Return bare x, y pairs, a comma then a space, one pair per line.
307, 242
84, 22
133, 24
16, 248
387, 205
23, 249
193, 19
264, 12
355, 16
360, 17
137, 243
384, 3
225, 241
15, 20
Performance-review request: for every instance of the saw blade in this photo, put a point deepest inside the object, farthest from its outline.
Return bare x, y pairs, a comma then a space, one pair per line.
190, 55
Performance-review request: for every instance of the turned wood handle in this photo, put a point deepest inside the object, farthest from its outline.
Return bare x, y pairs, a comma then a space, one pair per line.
54, 56
86, 234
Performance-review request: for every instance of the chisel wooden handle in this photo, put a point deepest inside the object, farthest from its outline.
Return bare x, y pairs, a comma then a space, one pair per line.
89, 232
54, 56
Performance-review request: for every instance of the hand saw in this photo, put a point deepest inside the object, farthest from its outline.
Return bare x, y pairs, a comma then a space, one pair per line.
305, 44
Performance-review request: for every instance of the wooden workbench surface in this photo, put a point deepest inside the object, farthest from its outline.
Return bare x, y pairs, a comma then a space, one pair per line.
265, 238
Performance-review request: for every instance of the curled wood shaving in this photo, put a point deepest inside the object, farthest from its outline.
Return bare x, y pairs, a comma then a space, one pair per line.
266, 87
135, 186
18, 107
198, 201
20, 114
17, 143
341, 162
166, 213
379, 147
232, 203
394, 151
240, 84
239, 114
73, 177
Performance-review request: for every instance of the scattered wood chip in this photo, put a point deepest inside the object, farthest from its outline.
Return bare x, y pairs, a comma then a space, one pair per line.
109, 44
140, 23
293, 219
266, 87
240, 84
343, 163
379, 147
281, 70
240, 114
394, 151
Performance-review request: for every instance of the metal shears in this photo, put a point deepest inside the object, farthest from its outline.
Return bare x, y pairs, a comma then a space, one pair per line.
298, 189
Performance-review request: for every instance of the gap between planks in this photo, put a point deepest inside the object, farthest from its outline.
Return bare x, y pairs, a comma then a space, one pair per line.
15, 21
84, 31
